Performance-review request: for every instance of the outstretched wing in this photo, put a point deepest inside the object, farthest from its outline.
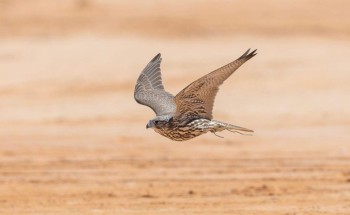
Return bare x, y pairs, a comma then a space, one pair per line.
149, 89
197, 99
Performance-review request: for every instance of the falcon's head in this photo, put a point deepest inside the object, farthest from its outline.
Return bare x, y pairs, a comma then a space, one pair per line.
159, 122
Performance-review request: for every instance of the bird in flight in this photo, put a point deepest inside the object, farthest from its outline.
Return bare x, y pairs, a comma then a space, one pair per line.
189, 113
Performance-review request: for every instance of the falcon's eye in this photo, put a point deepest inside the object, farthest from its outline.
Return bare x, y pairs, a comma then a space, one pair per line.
156, 122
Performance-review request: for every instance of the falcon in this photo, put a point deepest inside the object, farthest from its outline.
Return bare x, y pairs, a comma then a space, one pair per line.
189, 113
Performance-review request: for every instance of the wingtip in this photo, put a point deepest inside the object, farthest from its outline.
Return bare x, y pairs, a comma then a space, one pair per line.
254, 52
247, 55
158, 56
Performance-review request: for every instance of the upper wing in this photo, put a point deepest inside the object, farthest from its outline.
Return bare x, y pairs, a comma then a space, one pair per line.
149, 89
197, 99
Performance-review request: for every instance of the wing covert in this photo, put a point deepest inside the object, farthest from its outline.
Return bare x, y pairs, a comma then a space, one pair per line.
197, 99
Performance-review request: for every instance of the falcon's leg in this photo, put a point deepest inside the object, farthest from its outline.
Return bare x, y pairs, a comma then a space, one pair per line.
217, 135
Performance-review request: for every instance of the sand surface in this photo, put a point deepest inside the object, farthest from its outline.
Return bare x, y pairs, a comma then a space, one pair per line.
73, 140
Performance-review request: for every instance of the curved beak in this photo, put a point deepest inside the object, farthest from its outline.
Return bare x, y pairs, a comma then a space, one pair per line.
149, 124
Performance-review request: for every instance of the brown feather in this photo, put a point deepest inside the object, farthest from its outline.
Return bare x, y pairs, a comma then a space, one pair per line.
197, 99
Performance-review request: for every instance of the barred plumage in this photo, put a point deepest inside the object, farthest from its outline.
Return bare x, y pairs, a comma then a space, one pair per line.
189, 113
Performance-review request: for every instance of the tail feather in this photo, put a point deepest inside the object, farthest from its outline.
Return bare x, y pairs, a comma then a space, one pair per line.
220, 126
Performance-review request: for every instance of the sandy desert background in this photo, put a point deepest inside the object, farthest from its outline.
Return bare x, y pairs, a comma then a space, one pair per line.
73, 140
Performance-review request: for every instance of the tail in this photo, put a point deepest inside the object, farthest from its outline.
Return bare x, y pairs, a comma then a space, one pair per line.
220, 126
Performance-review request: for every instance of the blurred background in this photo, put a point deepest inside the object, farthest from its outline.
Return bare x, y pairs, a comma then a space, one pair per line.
73, 139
